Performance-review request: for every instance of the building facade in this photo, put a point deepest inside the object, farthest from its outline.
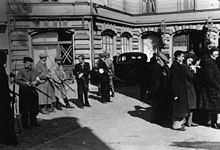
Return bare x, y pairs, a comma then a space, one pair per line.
72, 27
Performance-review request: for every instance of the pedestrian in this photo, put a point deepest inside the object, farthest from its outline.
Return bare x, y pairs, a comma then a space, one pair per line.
179, 91
103, 79
111, 72
81, 72
59, 77
7, 131
45, 101
210, 88
28, 96
190, 70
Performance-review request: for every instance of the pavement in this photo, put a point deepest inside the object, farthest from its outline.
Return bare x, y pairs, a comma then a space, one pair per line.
122, 124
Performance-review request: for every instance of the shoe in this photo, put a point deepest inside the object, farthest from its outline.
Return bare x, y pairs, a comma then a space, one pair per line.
192, 124
180, 129
69, 106
44, 111
113, 95
87, 105
81, 107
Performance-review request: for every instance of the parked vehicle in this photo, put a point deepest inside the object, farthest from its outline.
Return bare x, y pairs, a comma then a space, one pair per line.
129, 67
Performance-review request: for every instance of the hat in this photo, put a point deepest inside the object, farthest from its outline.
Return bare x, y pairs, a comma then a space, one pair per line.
101, 55
29, 59
107, 54
43, 55
58, 58
163, 56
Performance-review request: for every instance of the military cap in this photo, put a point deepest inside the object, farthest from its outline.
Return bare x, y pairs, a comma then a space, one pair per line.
29, 59
43, 55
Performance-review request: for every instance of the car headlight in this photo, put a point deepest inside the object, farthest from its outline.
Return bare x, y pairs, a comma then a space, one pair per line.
101, 71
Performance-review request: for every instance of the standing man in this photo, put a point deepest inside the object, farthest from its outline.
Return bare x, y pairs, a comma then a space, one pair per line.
179, 91
59, 77
210, 87
103, 79
7, 131
28, 96
111, 72
45, 85
81, 73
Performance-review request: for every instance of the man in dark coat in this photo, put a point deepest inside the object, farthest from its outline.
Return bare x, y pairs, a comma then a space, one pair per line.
179, 91
210, 87
28, 96
81, 73
7, 131
103, 79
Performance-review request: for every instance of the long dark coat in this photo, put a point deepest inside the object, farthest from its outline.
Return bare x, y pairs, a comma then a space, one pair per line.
178, 85
210, 87
191, 94
7, 132
28, 96
104, 81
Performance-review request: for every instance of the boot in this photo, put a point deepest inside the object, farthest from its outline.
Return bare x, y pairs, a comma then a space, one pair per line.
67, 103
58, 104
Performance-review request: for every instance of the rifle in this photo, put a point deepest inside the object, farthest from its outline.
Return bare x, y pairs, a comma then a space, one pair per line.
14, 105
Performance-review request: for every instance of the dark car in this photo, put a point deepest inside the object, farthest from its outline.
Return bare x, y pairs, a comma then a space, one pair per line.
130, 67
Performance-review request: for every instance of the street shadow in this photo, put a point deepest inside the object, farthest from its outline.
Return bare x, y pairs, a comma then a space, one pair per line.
83, 139
146, 113
130, 91
198, 145
56, 128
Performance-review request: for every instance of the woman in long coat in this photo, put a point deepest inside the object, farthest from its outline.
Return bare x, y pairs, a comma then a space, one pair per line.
179, 91
210, 87
190, 71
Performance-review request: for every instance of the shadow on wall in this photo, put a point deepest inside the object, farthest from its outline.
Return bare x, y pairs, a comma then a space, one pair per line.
55, 128
198, 145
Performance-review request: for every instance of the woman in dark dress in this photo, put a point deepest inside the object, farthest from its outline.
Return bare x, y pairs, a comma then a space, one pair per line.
7, 131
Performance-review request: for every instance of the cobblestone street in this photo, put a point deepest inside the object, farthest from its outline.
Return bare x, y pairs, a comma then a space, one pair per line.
122, 124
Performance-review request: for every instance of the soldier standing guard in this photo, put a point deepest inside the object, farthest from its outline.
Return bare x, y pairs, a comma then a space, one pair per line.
81, 72
45, 85
28, 96
103, 79
59, 77
111, 71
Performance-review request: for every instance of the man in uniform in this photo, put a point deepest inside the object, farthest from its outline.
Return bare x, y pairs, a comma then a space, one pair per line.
81, 73
46, 85
111, 71
103, 79
28, 96
59, 77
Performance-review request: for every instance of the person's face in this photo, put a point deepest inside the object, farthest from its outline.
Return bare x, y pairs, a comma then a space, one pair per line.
81, 60
214, 55
189, 61
44, 59
28, 65
180, 58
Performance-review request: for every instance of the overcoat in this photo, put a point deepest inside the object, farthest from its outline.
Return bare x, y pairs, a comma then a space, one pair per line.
210, 86
46, 86
104, 81
178, 85
191, 94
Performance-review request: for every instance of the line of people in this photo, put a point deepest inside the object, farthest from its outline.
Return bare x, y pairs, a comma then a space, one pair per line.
191, 85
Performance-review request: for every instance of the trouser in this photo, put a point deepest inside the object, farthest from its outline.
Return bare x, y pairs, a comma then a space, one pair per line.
82, 88
105, 90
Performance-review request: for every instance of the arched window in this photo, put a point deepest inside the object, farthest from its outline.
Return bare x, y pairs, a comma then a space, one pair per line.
107, 41
125, 42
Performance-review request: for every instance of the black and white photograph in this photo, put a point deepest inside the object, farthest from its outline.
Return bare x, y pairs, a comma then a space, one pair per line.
109, 75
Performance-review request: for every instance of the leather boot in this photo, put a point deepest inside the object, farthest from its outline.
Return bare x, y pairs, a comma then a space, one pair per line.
67, 103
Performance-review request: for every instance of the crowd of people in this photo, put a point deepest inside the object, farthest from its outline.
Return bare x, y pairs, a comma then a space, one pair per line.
191, 85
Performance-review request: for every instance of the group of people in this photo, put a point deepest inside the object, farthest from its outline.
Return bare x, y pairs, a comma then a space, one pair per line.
191, 85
